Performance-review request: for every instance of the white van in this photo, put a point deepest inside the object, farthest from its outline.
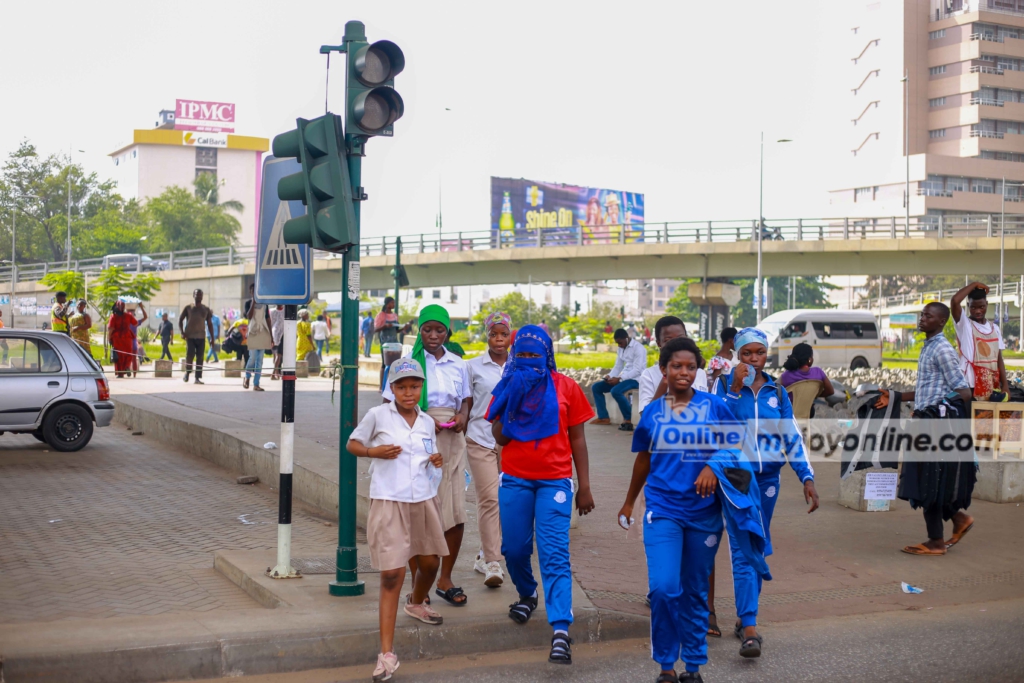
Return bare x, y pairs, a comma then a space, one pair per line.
841, 339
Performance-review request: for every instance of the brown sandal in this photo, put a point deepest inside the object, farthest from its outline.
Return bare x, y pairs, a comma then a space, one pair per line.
922, 549
958, 535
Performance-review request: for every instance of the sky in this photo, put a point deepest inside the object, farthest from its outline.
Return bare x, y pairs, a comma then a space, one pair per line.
667, 99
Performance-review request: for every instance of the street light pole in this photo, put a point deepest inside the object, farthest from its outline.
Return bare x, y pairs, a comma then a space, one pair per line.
906, 143
14, 263
67, 247
758, 285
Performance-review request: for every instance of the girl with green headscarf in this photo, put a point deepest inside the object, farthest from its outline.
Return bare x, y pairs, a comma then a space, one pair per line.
448, 398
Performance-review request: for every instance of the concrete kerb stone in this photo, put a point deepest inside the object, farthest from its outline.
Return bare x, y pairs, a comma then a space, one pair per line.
238, 447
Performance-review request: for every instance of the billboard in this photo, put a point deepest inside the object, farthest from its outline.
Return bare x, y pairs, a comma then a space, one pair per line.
906, 321
566, 214
206, 117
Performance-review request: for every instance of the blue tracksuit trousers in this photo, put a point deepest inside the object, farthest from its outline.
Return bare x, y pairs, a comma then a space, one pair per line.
680, 557
544, 505
746, 582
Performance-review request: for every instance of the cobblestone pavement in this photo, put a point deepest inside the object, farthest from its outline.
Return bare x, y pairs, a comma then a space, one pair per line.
127, 527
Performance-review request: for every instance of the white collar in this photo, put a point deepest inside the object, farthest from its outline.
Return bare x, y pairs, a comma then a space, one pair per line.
448, 356
393, 407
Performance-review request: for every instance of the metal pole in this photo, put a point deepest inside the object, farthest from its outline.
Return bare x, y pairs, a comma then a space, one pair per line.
1002, 245
284, 570
906, 137
398, 268
760, 221
14, 264
1020, 307
346, 579
67, 247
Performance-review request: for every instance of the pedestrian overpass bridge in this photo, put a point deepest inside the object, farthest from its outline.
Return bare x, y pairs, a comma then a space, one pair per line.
800, 247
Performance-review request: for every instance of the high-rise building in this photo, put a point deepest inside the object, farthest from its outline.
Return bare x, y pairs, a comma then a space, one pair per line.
944, 80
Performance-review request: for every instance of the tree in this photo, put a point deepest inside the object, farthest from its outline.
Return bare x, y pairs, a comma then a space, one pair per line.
681, 306
811, 292
180, 220
207, 189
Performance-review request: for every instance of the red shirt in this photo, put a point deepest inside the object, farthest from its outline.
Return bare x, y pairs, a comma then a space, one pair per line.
550, 458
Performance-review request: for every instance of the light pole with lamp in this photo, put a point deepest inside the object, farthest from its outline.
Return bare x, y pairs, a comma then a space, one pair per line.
758, 285
14, 265
67, 247
906, 143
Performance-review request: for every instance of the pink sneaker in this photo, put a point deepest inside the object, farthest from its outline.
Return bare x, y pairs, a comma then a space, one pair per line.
422, 612
387, 664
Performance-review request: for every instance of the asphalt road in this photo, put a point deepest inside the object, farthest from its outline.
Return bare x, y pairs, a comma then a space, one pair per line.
979, 642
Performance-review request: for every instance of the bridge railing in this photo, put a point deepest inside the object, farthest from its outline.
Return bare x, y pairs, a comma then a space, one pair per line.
673, 232
1008, 290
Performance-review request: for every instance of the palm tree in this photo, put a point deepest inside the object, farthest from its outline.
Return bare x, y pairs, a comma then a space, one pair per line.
207, 189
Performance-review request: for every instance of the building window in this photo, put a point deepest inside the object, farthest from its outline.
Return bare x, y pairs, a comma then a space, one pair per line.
983, 186
661, 304
436, 294
206, 157
937, 102
956, 184
935, 35
864, 194
937, 70
661, 289
418, 293
940, 133
200, 171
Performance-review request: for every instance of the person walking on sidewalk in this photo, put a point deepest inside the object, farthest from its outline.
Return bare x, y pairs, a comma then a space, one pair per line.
258, 340
194, 323
404, 524
59, 313
277, 337
321, 335
764, 406
538, 417
447, 397
941, 489
725, 360
166, 337
981, 344
80, 324
138, 353
630, 363
119, 332
367, 330
304, 336
214, 340
683, 523
484, 454
653, 383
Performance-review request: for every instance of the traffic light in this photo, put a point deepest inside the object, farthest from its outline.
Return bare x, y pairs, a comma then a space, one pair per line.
577, 308
323, 185
400, 277
373, 103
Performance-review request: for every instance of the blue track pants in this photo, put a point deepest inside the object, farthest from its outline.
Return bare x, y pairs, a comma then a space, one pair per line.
746, 583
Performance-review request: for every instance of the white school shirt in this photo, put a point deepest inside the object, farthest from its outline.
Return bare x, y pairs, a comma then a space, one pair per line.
630, 361
651, 378
277, 325
484, 374
409, 478
447, 382
965, 342
319, 330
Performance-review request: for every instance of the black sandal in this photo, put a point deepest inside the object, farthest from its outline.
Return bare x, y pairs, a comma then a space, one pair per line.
450, 595
668, 678
751, 647
561, 649
713, 629
521, 611
692, 677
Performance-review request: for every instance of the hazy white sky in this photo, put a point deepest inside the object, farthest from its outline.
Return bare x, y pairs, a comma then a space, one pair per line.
664, 98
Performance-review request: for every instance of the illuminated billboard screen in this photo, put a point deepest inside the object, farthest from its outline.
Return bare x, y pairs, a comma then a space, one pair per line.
564, 214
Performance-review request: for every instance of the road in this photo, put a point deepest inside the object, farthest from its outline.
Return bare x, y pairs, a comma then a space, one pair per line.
979, 642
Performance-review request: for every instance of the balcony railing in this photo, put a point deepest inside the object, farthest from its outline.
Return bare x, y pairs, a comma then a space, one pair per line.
987, 134
979, 69
933, 192
987, 36
995, 292
987, 102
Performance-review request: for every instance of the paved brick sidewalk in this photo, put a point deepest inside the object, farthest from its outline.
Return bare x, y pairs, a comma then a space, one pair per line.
127, 527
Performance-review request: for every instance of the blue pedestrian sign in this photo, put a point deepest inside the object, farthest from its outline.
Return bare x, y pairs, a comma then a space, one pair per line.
284, 272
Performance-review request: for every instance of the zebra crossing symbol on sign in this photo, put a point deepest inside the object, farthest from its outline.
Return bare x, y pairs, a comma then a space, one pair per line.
284, 272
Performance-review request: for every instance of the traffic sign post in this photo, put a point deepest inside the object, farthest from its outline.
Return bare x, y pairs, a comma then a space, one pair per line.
284, 275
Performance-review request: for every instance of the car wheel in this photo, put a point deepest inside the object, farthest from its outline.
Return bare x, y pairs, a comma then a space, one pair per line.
39, 435
859, 363
67, 428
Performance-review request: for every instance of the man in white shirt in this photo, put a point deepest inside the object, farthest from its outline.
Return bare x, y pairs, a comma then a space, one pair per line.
980, 342
630, 363
277, 337
321, 333
652, 381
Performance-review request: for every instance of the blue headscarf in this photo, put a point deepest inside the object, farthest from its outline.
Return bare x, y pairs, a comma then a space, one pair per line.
750, 335
525, 399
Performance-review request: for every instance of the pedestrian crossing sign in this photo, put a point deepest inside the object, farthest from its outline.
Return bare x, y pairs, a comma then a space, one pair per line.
284, 272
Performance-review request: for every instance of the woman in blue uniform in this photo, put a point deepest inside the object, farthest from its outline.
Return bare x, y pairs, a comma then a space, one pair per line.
755, 399
683, 524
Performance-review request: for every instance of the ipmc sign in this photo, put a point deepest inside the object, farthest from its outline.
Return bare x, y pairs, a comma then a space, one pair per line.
207, 117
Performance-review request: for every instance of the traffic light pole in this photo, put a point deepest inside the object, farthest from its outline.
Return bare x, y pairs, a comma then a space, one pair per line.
398, 271
346, 580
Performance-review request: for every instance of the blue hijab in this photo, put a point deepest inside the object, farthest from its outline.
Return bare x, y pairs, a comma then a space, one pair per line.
525, 399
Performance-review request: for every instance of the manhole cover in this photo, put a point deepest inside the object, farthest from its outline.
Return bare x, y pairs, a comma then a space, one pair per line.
325, 565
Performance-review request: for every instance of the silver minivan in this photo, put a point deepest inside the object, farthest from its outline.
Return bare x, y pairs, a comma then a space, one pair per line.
51, 388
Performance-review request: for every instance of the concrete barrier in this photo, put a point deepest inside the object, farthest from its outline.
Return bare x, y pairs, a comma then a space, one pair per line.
162, 368
851, 492
301, 368
233, 368
1001, 481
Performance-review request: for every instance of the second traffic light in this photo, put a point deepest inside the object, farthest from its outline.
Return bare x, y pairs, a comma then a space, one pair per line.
323, 185
373, 103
